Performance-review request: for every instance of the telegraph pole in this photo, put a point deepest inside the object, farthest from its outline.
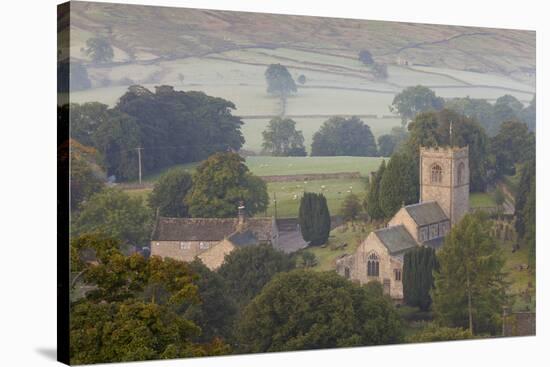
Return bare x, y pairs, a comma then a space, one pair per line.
139, 163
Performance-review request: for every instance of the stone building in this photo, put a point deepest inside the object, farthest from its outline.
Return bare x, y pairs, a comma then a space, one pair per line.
444, 200
210, 239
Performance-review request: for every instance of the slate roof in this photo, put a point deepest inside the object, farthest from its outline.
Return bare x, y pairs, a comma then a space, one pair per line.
242, 239
396, 239
426, 213
208, 229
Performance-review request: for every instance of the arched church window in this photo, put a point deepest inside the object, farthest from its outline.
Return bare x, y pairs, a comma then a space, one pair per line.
373, 265
437, 173
460, 173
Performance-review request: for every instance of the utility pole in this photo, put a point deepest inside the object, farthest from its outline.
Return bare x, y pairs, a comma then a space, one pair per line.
275, 202
139, 163
451, 133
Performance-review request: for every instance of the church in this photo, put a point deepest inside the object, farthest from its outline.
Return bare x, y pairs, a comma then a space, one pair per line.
444, 200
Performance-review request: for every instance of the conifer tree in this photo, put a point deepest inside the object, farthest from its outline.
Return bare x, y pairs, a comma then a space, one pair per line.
373, 196
399, 184
419, 263
314, 218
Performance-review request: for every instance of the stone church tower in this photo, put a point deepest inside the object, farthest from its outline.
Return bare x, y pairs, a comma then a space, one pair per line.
445, 178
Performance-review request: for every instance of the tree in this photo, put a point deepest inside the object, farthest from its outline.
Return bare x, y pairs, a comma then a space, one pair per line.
380, 71
476, 109
114, 213
220, 183
314, 218
386, 145
177, 127
366, 57
86, 175
529, 114
169, 193
434, 333
351, 208
525, 190
432, 129
116, 322
529, 215
304, 309
399, 184
247, 270
339, 136
418, 266
99, 50
470, 289
374, 209
413, 100
513, 144
280, 83
216, 312
281, 139
507, 108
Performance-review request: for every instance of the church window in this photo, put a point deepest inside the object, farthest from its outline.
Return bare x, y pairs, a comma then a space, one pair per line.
433, 231
460, 173
346, 273
373, 265
443, 228
397, 273
437, 173
423, 234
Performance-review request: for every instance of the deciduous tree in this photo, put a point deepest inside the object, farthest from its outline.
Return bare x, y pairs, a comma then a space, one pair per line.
340, 136
169, 193
281, 139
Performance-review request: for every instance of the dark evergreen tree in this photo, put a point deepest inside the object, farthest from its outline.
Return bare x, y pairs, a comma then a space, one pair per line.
418, 265
399, 184
314, 218
372, 202
526, 182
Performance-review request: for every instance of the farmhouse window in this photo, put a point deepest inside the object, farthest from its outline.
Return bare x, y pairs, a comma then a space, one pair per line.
204, 245
185, 246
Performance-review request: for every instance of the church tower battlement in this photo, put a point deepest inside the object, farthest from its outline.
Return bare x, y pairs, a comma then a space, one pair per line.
445, 178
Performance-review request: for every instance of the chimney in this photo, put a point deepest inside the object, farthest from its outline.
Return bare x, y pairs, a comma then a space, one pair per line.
241, 215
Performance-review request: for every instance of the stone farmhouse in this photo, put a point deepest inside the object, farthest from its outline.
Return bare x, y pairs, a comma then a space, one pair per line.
444, 200
210, 239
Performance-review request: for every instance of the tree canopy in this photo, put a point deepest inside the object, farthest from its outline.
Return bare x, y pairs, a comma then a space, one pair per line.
279, 81
372, 201
339, 136
303, 309
169, 193
114, 322
116, 214
351, 208
430, 129
171, 127
513, 144
220, 183
470, 289
247, 269
281, 139
99, 49
413, 100
314, 218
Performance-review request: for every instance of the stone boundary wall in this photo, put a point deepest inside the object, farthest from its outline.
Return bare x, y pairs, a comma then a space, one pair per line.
311, 177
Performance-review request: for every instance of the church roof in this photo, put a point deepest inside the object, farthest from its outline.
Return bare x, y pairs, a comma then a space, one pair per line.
426, 213
396, 239
209, 229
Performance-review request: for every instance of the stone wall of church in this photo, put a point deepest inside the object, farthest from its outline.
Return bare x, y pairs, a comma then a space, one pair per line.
357, 265
402, 217
452, 193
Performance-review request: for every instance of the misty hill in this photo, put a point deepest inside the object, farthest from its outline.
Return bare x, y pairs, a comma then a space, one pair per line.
141, 33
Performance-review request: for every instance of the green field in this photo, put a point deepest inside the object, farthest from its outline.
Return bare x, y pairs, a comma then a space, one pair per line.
482, 200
